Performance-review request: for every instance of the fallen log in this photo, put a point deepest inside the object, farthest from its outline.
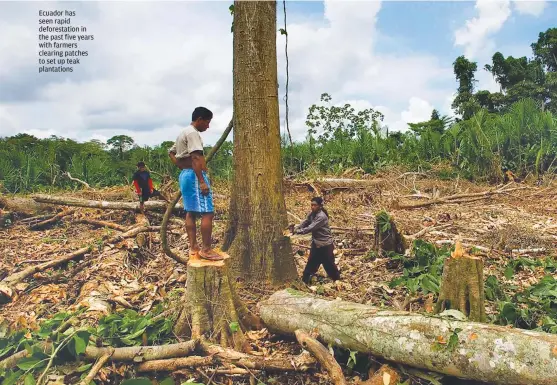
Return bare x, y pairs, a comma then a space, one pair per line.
142, 353
219, 355
302, 362
468, 350
99, 223
110, 205
54, 219
25, 207
7, 285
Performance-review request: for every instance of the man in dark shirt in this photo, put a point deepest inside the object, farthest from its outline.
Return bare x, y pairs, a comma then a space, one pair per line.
143, 185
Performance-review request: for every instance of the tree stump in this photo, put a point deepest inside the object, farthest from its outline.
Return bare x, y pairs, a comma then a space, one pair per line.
211, 308
462, 285
387, 236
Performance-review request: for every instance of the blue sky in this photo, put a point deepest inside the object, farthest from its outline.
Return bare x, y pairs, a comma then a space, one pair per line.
152, 62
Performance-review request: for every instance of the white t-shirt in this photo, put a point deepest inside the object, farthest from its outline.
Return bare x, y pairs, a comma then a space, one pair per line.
188, 141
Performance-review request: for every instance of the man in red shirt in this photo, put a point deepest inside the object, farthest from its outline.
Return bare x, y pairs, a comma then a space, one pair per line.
144, 185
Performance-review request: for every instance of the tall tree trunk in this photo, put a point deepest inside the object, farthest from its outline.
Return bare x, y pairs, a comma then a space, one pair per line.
254, 238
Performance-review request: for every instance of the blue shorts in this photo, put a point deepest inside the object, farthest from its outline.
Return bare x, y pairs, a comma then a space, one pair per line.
194, 200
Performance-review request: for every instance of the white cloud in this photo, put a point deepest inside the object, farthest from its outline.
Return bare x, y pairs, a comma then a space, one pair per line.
419, 110
475, 34
152, 63
486, 81
530, 7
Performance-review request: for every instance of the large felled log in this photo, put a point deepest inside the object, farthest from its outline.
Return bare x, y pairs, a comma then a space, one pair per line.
469, 350
110, 205
24, 207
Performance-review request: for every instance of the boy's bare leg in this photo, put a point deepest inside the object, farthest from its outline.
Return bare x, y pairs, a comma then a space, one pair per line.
192, 232
141, 205
206, 232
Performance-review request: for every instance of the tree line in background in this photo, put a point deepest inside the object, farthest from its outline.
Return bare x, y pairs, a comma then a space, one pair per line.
514, 129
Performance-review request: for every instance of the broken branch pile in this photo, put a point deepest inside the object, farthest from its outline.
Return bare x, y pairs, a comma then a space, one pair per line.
8, 284
329, 184
459, 198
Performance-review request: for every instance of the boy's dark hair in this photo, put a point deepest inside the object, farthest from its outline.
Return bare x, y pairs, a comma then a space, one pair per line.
319, 201
141, 164
201, 112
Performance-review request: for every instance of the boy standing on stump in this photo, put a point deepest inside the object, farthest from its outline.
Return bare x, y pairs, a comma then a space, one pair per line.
187, 154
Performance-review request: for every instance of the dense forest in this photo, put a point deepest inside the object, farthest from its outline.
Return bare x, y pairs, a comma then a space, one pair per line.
514, 129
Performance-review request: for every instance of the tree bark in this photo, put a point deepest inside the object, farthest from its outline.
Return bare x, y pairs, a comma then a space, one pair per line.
257, 212
462, 286
482, 352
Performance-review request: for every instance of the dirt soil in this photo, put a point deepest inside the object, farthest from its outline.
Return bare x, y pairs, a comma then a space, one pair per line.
503, 226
